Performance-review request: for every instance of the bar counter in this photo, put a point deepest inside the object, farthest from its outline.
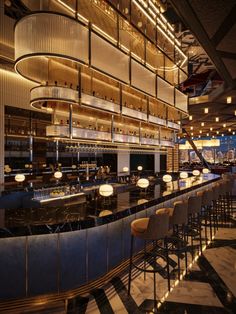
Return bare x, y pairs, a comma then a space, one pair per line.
76, 252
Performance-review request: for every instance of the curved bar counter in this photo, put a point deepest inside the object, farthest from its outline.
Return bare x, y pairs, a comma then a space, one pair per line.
54, 263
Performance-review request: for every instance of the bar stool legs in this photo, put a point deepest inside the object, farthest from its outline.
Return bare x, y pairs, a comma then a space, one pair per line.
130, 263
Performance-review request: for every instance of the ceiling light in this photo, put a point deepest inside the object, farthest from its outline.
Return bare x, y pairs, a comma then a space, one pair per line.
207, 134
233, 133
206, 110
217, 119
190, 118
235, 112
143, 183
191, 127
191, 134
224, 125
211, 129
217, 132
202, 123
229, 100
200, 131
213, 136
222, 134
199, 136
179, 122
229, 129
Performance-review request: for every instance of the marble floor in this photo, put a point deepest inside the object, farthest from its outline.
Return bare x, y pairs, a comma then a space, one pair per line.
208, 287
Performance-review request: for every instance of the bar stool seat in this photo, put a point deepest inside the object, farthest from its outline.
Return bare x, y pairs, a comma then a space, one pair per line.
139, 226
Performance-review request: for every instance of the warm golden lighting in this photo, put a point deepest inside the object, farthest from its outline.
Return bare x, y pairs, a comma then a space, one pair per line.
191, 134
140, 168
196, 173
58, 174
207, 134
211, 129
229, 99
217, 132
205, 170
200, 131
191, 127
233, 133
125, 169
19, 177
106, 190
202, 124
217, 119
183, 175
222, 134
167, 178
229, 129
179, 122
235, 112
143, 183
190, 118
224, 125
206, 110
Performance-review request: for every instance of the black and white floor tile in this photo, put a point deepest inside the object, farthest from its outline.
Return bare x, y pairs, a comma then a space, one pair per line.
208, 287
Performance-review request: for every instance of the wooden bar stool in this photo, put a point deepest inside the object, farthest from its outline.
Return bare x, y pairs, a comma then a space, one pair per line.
154, 228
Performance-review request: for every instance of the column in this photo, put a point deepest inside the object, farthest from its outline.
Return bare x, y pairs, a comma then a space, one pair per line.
123, 160
157, 162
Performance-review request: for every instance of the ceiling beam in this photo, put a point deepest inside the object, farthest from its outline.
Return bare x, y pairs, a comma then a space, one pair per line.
226, 54
225, 27
189, 17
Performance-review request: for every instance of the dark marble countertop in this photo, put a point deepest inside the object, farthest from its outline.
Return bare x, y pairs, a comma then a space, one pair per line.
93, 210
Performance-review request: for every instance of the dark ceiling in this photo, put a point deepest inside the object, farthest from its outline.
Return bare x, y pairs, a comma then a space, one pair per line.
213, 23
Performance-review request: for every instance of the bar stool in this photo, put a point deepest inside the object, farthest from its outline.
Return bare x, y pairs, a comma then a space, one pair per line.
154, 228
207, 196
194, 220
215, 198
178, 219
223, 200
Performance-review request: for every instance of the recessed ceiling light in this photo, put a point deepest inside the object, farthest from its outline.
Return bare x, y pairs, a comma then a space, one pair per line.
206, 110
217, 119
229, 100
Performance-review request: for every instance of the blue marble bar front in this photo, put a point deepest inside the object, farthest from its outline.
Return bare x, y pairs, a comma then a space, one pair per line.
39, 256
